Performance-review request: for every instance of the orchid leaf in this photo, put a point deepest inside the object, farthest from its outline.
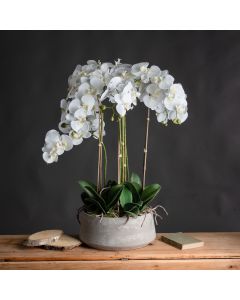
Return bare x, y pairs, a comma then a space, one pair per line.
135, 179
125, 197
90, 189
131, 208
113, 195
90, 202
133, 190
149, 193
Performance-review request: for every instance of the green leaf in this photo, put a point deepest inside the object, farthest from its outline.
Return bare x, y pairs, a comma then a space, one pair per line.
131, 208
113, 195
125, 197
135, 179
105, 192
133, 190
84, 184
149, 193
96, 196
137, 187
92, 204
90, 189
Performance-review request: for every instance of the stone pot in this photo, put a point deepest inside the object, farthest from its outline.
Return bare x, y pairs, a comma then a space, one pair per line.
108, 233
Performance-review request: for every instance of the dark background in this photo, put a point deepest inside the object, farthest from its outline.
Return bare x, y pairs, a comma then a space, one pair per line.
197, 163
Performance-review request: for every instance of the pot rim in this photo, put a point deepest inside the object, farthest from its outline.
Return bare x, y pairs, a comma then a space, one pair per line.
113, 218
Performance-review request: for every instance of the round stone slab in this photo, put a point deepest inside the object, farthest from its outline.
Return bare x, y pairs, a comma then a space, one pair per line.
65, 242
43, 237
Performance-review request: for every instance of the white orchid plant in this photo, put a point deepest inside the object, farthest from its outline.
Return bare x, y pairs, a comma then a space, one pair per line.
95, 88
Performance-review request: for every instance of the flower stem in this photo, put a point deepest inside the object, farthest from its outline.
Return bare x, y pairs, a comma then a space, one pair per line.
100, 146
123, 172
127, 166
105, 163
146, 148
119, 151
120, 157
122, 153
125, 149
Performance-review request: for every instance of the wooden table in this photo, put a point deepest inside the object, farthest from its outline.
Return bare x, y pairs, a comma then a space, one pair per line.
221, 251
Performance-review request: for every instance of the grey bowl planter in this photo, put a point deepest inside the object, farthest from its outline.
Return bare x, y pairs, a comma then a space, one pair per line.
117, 233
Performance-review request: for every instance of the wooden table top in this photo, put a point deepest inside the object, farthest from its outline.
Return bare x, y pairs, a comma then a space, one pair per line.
221, 251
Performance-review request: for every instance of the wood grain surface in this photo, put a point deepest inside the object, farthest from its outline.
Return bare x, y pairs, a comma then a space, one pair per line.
221, 251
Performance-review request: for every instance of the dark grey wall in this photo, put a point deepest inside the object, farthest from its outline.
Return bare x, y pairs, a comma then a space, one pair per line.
197, 164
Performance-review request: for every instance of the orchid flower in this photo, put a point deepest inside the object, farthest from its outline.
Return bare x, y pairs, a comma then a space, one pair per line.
122, 86
55, 145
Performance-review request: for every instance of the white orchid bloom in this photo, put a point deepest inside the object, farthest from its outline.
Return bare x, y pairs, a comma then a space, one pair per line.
162, 117
179, 115
87, 103
77, 71
83, 89
166, 80
106, 70
80, 117
77, 137
74, 105
55, 145
105, 67
91, 66
112, 85
64, 126
122, 84
120, 70
50, 157
175, 97
162, 114
152, 74
126, 99
154, 96
75, 79
140, 69
97, 85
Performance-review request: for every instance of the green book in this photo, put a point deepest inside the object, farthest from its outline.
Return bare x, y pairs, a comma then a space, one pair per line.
181, 241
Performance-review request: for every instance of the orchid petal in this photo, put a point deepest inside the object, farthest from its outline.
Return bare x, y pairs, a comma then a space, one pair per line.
88, 101
52, 136
67, 142
49, 158
80, 113
74, 105
114, 83
76, 125
97, 83
121, 110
